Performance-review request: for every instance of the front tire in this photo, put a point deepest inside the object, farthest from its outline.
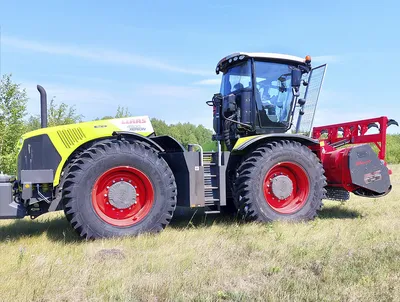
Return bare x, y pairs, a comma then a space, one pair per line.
280, 181
117, 188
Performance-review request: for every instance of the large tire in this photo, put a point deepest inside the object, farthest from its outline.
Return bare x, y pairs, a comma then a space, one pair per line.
281, 180
65, 172
117, 188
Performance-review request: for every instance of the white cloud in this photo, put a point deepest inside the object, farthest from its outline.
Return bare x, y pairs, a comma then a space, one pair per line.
211, 82
99, 55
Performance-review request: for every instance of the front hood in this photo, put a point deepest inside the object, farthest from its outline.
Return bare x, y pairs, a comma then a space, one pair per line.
137, 124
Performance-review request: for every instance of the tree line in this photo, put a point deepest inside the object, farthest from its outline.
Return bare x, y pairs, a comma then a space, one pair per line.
15, 121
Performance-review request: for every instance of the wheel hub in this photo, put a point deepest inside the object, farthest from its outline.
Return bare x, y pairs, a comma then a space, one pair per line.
122, 195
282, 186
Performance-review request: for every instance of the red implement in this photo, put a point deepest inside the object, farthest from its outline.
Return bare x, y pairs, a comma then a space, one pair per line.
356, 168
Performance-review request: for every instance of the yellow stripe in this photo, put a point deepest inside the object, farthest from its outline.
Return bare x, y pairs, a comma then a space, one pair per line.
243, 140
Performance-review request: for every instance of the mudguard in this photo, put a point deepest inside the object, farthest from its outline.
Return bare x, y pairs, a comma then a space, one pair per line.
246, 142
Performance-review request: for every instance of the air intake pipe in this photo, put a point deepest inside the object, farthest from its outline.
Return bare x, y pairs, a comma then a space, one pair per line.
43, 106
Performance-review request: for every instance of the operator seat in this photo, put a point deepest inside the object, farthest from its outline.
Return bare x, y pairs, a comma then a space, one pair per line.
260, 108
238, 86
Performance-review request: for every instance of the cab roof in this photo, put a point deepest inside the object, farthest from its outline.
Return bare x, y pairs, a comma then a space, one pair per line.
221, 66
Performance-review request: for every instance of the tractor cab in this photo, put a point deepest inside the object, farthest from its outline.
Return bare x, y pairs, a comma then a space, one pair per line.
259, 94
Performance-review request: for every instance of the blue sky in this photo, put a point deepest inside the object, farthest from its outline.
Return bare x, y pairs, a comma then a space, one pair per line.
158, 57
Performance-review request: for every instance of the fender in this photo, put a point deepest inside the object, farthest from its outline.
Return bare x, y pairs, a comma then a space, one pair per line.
164, 143
168, 143
251, 141
135, 136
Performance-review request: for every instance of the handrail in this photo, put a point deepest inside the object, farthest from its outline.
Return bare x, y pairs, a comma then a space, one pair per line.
201, 153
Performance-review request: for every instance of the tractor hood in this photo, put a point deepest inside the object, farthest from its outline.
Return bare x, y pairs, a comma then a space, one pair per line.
139, 124
49, 148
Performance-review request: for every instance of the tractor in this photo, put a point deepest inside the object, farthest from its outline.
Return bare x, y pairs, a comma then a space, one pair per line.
118, 178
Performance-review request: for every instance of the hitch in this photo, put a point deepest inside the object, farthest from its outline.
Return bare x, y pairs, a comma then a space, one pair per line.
9, 209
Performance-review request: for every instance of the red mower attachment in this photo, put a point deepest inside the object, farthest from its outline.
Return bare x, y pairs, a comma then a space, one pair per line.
357, 168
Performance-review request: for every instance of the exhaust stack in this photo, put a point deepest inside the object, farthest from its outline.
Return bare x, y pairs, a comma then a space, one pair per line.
43, 106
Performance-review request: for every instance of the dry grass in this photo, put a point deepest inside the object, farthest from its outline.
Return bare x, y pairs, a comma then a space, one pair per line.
350, 253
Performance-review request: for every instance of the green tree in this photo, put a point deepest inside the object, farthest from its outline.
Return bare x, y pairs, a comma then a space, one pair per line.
121, 112
160, 127
107, 117
185, 133
57, 115
13, 102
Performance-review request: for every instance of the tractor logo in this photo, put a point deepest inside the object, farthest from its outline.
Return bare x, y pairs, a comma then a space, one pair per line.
360, 162
372, 177
134, 121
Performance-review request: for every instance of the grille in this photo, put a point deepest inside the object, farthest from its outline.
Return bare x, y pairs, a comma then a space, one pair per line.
71, 136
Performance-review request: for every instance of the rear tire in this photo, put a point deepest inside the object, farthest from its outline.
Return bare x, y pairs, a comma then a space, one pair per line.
117, 188
280, 181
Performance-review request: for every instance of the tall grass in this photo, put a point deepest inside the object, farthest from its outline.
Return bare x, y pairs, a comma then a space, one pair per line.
350, 253
393, 149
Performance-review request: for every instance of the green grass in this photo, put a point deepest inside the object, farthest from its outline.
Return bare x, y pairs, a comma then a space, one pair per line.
350, 253
392, 149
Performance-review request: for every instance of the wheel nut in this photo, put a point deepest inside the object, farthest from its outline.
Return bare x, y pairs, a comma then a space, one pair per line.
137, 194
105, 195
122, 179
113, 209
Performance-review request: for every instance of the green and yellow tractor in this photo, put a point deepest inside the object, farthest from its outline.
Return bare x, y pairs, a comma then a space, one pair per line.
117, 177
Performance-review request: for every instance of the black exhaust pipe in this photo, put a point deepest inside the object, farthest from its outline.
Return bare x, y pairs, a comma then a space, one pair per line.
43, 106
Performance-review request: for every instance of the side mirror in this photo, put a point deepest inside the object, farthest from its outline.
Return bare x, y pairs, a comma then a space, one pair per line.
296, 77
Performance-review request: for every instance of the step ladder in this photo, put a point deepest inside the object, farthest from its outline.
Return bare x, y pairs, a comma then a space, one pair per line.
211, 181
212, 170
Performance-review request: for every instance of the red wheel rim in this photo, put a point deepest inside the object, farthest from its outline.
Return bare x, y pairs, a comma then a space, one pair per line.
298, 194
128, 215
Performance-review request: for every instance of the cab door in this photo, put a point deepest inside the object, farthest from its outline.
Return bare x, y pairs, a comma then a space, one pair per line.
303, 123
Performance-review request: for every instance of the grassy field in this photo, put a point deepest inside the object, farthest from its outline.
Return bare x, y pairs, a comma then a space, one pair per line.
350, 253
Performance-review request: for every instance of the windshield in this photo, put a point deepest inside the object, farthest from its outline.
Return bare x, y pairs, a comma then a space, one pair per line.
237, 77
273, 92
